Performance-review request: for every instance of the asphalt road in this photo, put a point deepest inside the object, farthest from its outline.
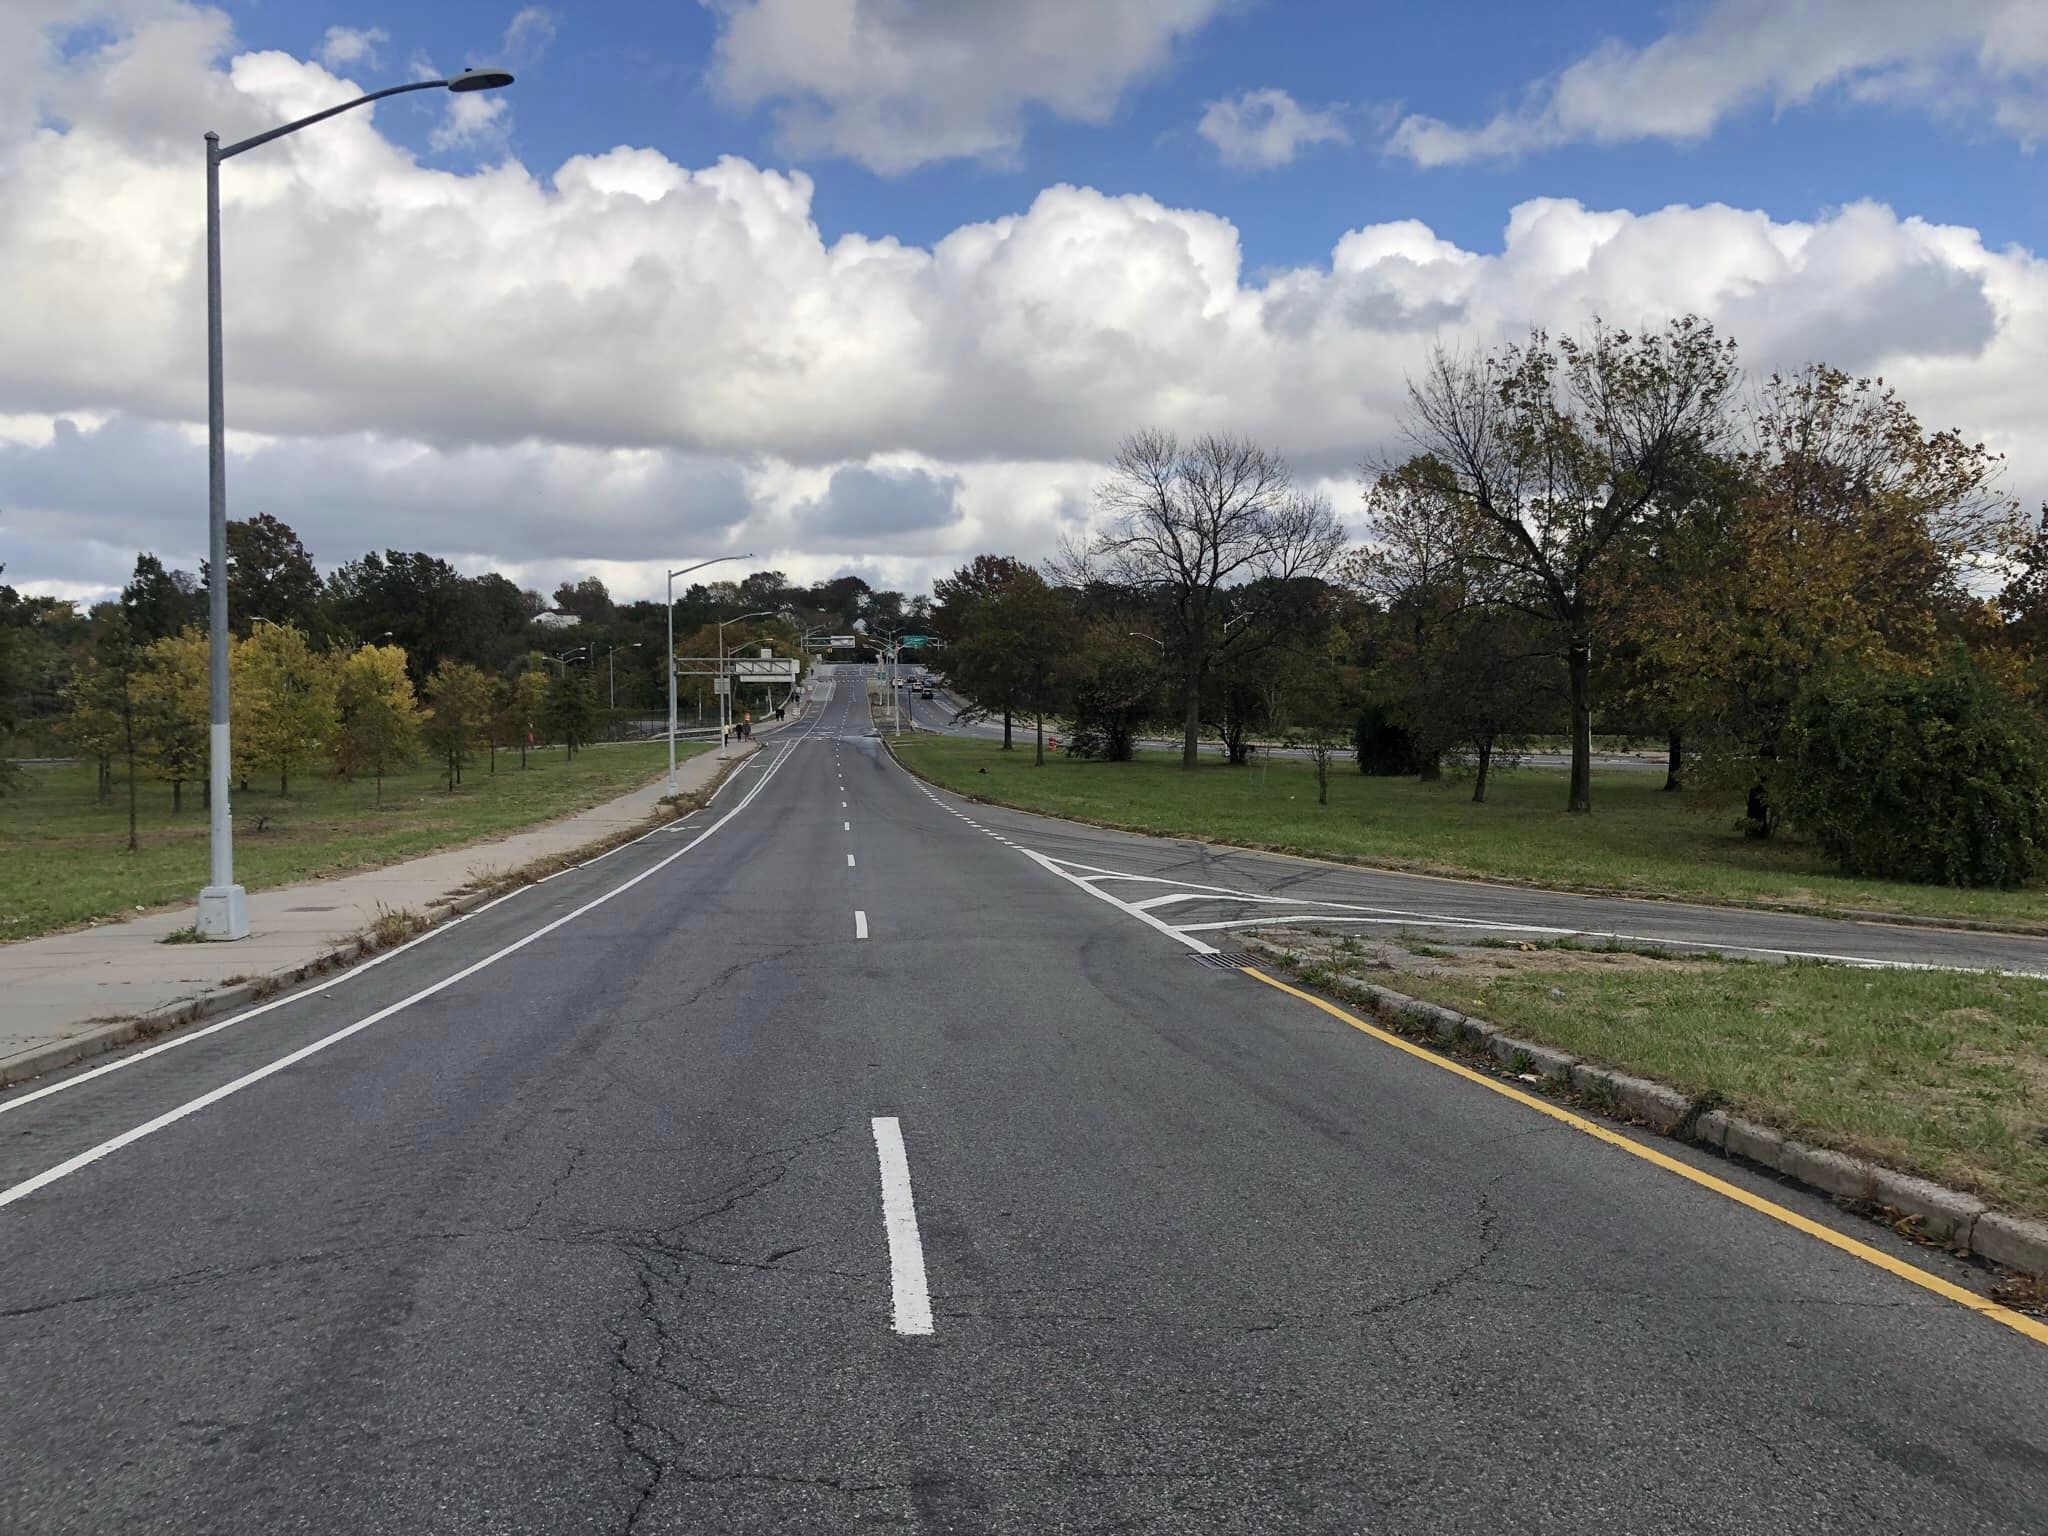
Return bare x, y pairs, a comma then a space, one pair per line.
656, 1198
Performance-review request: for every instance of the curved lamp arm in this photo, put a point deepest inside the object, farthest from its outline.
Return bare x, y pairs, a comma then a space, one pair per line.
468, 80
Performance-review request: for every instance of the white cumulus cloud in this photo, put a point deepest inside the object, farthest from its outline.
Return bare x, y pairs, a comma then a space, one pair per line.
343, 46
1267, 128
1951, 57
621, 359
896, 83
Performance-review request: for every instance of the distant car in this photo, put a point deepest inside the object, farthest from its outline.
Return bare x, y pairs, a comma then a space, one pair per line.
925, 692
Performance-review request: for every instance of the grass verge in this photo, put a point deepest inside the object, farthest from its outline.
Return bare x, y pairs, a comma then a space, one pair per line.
66, 861
1639, 841
1943, 1074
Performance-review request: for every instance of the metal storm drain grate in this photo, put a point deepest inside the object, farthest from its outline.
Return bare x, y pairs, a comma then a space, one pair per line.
1221, 961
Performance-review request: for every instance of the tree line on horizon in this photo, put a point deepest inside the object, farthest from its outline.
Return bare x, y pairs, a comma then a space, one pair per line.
1811, 600
1817, 604
390, 657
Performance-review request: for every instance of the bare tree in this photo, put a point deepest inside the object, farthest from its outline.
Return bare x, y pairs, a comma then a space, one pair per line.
1556, 459
1185, 522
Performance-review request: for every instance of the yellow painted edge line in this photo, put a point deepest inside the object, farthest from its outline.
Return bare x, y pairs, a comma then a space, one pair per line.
2019, 1322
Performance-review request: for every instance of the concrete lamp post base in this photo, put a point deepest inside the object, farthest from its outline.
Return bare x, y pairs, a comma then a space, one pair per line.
223, 912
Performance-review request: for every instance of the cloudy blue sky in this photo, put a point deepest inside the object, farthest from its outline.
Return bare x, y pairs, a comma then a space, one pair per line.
874, 284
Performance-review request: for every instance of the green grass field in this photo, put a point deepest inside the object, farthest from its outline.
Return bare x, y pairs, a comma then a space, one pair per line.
64, 858
1639, 840
1939, 1073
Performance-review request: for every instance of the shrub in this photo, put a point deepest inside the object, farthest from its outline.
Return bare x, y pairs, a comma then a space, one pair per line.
1939, 778
1382, 745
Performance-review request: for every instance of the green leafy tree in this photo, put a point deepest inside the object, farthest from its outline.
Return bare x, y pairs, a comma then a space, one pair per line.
173, 699
1553, 462
270, 576
982, 674
283, 701
159, 602
100, 703
1940, 778
570, 708
460, 697
379, 719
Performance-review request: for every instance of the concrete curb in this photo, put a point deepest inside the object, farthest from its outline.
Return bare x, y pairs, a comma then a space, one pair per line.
1958, 1221
115, 1033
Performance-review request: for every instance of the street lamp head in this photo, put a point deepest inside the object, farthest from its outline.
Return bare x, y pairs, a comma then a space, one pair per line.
481, 80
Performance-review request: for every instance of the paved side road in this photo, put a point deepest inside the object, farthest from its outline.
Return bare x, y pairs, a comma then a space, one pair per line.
830, 1162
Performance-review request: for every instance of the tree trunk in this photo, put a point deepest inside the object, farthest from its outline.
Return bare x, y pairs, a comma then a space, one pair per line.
451, 773
380, 786
1191, 724
284, 781
1579, 670
1322, 778
129, 732
1485, 762
177, 796
1433, 768
1006, 728
1672, 781
106, 780
1039, 760
1759, 813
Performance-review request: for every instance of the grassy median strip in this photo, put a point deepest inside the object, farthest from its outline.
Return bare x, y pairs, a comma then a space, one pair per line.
1939, 1073
1639, 841
66, 860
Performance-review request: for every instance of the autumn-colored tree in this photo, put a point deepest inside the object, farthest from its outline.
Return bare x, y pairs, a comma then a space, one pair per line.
1556, 459
460, 695
519, 703
173, 699
379, 724
283, 701
1849, 542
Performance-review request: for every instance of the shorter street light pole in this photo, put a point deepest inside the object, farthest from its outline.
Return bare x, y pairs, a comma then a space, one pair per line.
611, 680
672, 575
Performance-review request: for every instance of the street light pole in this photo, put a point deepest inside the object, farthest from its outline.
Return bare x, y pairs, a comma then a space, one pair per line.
611, 680
223, 905
672, 575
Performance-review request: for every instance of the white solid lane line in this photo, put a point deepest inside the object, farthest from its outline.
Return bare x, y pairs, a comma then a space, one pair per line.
170, 1117
860, 924
899, 1218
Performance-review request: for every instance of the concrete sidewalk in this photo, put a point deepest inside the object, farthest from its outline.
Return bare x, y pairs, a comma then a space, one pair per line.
75, 994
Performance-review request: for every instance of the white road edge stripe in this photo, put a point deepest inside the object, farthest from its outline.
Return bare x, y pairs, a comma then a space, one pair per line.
899, 1220
1122, 906
170, 1117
